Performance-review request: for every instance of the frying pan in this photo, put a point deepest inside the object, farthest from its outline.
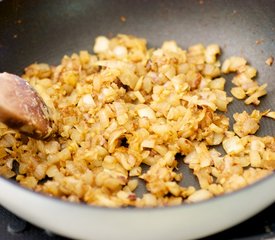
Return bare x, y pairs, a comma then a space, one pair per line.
43, 31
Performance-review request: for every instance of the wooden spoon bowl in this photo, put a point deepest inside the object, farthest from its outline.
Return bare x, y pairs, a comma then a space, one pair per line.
22, 108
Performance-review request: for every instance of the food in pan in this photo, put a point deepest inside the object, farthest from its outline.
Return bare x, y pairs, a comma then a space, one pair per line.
126, 107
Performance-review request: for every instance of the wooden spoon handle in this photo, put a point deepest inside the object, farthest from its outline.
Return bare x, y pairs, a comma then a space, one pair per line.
22, 108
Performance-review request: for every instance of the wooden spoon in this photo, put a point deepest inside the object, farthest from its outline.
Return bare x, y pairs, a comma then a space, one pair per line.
22, 108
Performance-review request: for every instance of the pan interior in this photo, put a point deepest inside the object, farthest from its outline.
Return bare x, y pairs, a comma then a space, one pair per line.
44, 31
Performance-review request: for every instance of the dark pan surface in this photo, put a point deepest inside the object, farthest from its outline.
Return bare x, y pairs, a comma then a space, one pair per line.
43, 31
